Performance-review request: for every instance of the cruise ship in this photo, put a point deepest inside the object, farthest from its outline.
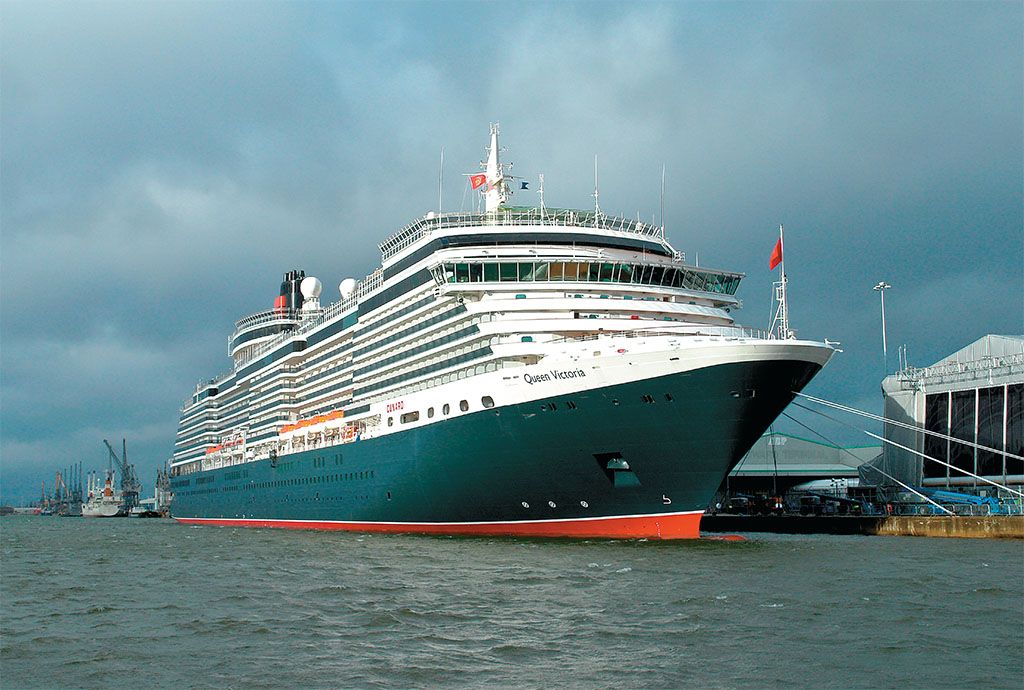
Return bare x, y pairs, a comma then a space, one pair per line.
514, 371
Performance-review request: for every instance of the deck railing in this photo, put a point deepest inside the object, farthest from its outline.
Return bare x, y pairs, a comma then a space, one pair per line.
515, 216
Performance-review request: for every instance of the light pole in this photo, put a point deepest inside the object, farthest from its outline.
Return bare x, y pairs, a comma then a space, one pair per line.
882, 287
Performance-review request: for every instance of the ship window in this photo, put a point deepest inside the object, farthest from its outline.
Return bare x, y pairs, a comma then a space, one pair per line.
555, 271
571, 271
607, 273
526, 271
446, 409
625, 273
464, 405
491, 273
595, 273
410, 417
461, 273
509, 272
430, 412
476, 273
487, 401
541, 271
391, 420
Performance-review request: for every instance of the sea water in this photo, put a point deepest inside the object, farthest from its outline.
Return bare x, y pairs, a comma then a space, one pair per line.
119, 603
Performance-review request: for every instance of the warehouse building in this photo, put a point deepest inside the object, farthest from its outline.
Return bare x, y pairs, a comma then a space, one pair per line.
974, 395
778, 462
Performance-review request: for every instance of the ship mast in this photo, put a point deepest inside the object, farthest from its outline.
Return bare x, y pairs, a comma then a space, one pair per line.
496, 194
780, 323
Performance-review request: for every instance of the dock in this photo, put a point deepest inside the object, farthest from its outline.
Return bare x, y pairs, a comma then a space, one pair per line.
963, 526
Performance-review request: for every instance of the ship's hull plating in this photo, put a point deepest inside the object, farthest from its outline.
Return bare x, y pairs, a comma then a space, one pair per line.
638, 459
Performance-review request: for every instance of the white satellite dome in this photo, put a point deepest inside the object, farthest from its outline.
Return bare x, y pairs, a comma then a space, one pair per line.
347, 287
310, 287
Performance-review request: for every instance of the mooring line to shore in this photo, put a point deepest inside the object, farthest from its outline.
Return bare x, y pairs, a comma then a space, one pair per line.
905, 486
902, 447
904, 425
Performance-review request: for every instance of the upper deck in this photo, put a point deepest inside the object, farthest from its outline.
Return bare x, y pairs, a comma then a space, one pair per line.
517, 216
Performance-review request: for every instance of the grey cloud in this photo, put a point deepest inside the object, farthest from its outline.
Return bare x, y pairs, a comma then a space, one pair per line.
163, 163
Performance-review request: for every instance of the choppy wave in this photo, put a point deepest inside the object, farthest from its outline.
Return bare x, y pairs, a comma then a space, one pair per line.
90, 603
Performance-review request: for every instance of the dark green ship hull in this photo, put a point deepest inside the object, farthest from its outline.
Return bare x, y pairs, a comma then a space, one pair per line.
639, 459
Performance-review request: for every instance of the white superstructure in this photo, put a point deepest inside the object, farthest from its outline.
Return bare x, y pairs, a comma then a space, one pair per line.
466, 312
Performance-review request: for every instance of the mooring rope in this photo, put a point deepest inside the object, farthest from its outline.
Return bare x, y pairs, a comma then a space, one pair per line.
905, 486
904, 425
893, 443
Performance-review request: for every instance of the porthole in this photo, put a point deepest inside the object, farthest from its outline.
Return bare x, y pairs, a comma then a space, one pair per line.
446, 409
430, 412
487, 401
464, 405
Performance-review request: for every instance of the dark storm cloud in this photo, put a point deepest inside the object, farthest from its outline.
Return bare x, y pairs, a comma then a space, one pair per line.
163, 163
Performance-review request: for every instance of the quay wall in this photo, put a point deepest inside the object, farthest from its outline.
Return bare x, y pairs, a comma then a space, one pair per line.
975, 527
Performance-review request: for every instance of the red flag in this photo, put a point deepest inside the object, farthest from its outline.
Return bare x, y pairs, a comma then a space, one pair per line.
477, 180
776, 256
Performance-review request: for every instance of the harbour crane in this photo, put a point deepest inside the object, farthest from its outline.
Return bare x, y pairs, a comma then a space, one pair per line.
130, 484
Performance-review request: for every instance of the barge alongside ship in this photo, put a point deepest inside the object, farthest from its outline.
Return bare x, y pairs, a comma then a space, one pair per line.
522, 371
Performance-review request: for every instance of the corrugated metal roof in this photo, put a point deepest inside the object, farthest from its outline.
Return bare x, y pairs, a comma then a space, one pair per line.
986, 346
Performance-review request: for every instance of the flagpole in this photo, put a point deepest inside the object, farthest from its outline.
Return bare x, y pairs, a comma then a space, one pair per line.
785, 302
440, 180
663, 200
782, 246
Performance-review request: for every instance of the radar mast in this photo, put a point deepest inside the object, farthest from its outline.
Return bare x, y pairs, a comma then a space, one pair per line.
497, 192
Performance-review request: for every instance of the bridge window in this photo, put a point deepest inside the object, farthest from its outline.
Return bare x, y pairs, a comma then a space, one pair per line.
636, 274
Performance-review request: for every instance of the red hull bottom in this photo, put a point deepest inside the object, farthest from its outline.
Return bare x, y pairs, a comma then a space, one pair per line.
658, 526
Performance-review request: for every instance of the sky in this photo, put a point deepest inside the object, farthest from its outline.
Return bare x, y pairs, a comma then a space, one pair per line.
162, 164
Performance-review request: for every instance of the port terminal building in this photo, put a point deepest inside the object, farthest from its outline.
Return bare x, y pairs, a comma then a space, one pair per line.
975, 395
